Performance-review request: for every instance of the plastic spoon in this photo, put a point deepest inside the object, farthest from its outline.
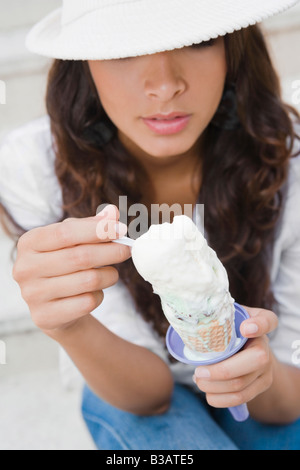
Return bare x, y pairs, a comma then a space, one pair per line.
125, 241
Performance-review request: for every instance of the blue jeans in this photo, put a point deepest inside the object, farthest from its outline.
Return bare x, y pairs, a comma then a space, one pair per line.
189, 424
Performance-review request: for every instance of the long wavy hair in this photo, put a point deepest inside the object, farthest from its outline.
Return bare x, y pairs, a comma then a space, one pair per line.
243, 174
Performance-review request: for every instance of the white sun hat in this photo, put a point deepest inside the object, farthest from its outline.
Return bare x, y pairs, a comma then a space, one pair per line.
112, 29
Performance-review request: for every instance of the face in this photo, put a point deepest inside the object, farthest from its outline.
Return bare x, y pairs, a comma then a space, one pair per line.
162, 103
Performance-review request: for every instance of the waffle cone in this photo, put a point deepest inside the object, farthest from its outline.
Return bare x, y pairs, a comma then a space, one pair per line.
214, 337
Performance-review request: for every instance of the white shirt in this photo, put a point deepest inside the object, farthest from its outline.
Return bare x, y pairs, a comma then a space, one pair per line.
31, 193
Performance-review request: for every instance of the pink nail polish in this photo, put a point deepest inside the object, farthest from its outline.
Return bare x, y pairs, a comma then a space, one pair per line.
250, 329
202, 373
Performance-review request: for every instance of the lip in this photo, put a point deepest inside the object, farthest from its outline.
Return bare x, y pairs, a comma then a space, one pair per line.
167, 124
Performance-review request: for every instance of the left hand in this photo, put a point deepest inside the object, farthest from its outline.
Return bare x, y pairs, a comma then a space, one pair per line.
248, 373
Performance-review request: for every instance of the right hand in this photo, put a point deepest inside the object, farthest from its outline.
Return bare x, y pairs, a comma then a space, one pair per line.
63, 268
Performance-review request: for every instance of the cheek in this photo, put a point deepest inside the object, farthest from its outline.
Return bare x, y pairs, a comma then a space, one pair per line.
118, 99
209, 87
113, 91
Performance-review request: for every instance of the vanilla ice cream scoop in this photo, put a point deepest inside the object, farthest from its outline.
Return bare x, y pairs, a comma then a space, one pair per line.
191, 281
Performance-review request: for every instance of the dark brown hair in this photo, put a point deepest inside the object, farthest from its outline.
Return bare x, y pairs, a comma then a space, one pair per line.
243, 173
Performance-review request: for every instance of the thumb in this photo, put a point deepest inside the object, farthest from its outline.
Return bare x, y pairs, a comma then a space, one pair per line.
261, 322
108, 226
110, 212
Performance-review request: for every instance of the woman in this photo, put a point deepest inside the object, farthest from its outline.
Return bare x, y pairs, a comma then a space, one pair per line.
181, 106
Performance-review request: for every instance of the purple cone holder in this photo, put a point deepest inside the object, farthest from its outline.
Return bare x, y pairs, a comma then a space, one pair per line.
175, 346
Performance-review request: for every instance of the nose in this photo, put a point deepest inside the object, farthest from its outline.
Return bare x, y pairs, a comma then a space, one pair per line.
164, 79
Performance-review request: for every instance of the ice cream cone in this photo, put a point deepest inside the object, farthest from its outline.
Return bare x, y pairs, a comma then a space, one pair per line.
192, 284
206, 337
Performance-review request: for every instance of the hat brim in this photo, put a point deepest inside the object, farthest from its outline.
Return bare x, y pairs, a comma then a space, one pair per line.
145, 27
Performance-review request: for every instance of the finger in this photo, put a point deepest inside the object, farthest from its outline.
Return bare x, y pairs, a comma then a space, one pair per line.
244, 362
73, 232
59, 313
70, 285
228, 386
80, 258
261, 322
227, 400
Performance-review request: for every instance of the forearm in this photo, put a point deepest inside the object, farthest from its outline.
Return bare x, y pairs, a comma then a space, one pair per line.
123, 374
280, 404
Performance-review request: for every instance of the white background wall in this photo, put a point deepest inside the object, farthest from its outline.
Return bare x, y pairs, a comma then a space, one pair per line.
23, 72
25, 77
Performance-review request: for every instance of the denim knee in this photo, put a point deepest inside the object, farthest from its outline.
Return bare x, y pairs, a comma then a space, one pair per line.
186, 426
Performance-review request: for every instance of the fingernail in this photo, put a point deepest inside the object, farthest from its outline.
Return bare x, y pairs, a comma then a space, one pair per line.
202, 373
250, 328
108, 210
103, 213
121, 229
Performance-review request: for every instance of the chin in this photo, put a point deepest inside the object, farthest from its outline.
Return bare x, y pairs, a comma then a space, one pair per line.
160, 154
168, 150
174, 154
